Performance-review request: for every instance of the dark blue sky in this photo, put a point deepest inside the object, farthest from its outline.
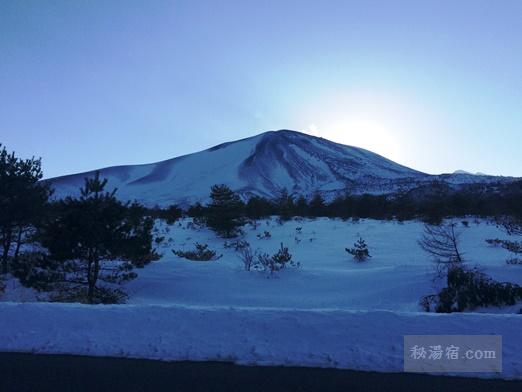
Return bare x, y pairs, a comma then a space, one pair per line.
435, 85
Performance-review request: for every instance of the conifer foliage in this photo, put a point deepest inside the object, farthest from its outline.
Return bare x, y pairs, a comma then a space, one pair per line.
224, 213
469, 289
96, 238
513, 227
277, 261
359, 251
201, 253
23, 199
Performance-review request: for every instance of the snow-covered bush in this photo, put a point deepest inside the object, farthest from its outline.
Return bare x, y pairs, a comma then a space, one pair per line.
200, 253
469, 289
359, 251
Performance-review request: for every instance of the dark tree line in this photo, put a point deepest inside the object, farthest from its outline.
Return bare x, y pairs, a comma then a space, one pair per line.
430, 205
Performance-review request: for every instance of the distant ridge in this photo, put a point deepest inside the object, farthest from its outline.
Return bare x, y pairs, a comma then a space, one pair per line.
263, 165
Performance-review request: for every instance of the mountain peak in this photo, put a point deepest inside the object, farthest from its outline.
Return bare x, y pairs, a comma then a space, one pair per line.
259, 165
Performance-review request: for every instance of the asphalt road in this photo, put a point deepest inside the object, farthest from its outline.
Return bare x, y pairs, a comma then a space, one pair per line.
30, 372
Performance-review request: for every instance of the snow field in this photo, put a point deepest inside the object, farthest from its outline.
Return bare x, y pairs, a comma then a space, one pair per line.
331, 312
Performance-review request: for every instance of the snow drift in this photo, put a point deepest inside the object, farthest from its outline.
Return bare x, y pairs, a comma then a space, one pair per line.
356, 340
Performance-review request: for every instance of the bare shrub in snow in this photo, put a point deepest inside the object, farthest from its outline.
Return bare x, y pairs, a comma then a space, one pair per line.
266, 235
196, 226
247, 256
359, 251
494, 242
236, 245
201, 253
514, 261
442, 243
512, 227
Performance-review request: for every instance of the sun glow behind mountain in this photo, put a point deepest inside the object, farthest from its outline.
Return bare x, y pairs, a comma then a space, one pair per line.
376, 120
360, 132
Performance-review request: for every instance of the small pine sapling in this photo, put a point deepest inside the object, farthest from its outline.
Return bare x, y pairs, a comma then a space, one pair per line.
276, 262
201, 253
359, 251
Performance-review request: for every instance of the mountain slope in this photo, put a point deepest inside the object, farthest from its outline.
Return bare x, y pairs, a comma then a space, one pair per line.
259, 165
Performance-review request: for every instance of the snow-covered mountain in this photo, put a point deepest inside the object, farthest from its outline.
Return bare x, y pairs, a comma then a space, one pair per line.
260, 165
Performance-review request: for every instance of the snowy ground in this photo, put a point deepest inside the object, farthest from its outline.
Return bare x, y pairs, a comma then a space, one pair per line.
331, 312
396, 276
335, 338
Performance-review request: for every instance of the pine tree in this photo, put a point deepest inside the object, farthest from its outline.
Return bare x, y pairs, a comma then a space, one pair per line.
317, 205
22, 202
258, 207
285, 204
97, 238
224, 213
359, 251
196, 210
301, 206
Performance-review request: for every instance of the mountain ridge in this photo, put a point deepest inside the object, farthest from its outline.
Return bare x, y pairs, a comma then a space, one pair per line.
262, 165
